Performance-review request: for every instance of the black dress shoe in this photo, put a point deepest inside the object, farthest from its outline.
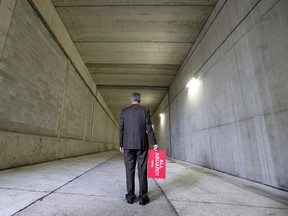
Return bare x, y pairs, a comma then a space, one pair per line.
130, 200
144, 201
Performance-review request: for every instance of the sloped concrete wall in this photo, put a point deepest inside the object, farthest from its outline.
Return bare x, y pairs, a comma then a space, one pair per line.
235, 119
46, 110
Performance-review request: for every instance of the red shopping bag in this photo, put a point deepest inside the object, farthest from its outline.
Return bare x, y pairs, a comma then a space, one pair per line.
157, 164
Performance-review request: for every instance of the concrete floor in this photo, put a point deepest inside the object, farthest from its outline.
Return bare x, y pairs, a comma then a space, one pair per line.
95, 185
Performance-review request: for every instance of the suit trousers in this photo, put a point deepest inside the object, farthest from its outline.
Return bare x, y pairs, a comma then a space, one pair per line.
131, 156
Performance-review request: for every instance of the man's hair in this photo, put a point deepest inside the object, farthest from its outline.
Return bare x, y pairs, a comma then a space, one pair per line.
136, 97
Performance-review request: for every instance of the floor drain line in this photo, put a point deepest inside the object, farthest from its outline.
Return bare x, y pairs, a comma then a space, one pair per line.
166, 198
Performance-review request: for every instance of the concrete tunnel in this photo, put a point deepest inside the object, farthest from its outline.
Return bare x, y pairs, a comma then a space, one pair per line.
214, 74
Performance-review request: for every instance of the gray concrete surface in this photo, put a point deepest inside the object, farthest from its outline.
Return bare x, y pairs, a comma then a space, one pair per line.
235, 120
95, 185
46, 110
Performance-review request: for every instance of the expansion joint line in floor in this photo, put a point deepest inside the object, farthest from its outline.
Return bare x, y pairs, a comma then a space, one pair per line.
41, 198
167, 198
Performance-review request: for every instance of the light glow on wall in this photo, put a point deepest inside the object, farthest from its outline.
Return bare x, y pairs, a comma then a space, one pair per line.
193, 87
162, 120
192, 82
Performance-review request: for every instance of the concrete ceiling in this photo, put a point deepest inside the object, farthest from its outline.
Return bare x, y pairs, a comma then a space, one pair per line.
133, 45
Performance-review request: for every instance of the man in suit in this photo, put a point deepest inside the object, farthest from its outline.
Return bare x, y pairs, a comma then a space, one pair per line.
135, 128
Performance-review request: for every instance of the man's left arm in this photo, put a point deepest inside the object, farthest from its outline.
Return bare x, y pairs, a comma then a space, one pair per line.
121, 133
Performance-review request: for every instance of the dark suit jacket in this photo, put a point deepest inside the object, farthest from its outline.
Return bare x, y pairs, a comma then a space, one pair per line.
135, 125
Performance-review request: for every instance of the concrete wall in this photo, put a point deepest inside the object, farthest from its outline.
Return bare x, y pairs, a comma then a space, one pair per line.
235, 119
46, 110
161, 125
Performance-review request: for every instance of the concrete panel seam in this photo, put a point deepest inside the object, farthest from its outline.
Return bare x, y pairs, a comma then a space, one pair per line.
8, 28
33, 4
195, 47
223, 43
115, 123
47, 24
93, 114
62, 106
